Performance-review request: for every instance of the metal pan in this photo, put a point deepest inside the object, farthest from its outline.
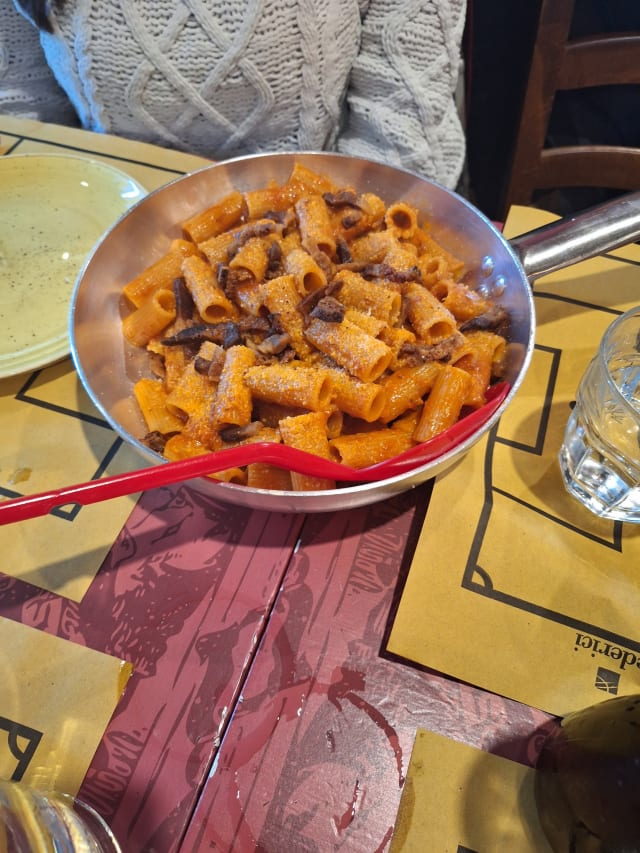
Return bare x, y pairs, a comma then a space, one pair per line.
108, 368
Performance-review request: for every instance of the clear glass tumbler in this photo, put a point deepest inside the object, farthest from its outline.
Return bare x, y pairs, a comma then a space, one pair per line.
33, 821
600, 454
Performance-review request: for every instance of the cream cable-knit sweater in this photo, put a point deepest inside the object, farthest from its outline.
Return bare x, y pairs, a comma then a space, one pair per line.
221, 78
27, 86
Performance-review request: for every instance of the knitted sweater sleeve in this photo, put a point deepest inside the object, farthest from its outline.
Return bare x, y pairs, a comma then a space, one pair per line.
400, 102
27, 86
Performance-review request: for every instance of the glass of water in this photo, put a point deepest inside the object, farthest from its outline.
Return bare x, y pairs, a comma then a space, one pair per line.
33, 821
600, 454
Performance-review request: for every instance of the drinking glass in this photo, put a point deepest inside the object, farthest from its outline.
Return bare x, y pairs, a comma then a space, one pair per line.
600, 455
587, 782
51, 822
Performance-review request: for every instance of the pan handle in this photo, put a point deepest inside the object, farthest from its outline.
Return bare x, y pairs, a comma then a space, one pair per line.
576, 238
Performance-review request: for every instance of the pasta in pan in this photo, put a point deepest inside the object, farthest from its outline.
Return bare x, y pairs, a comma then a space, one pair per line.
313, 315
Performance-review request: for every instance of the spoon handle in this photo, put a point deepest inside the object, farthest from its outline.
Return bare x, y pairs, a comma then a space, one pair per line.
289, 458
165, 474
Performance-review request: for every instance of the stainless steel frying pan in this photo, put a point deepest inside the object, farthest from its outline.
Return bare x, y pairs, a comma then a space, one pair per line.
108, 368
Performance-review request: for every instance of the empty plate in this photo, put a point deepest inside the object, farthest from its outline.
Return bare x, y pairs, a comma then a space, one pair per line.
53, 209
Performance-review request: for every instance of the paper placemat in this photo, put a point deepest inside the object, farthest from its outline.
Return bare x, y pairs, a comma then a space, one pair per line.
514, 586
56, 700
51, 435
461, 799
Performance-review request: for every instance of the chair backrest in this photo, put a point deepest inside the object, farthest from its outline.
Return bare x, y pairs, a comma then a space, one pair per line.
560, 63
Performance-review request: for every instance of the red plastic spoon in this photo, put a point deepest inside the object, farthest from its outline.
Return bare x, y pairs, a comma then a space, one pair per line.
289, 458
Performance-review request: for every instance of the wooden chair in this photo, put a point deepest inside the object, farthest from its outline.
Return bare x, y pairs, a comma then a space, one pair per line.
561, 63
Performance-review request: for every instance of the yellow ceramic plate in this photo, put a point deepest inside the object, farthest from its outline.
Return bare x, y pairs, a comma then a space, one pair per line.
53, 209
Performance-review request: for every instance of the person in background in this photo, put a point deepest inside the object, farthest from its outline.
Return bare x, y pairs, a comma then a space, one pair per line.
372, 78
28, 88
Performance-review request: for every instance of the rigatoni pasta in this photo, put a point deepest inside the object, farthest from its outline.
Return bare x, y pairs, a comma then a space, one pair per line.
215, 219
442, 407
308, 432
232, 402
350, 346
313, 315
292, 385
209, 298
357, 450
153, 315
159, 275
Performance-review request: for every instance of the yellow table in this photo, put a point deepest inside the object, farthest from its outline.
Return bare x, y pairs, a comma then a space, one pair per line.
151, 165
